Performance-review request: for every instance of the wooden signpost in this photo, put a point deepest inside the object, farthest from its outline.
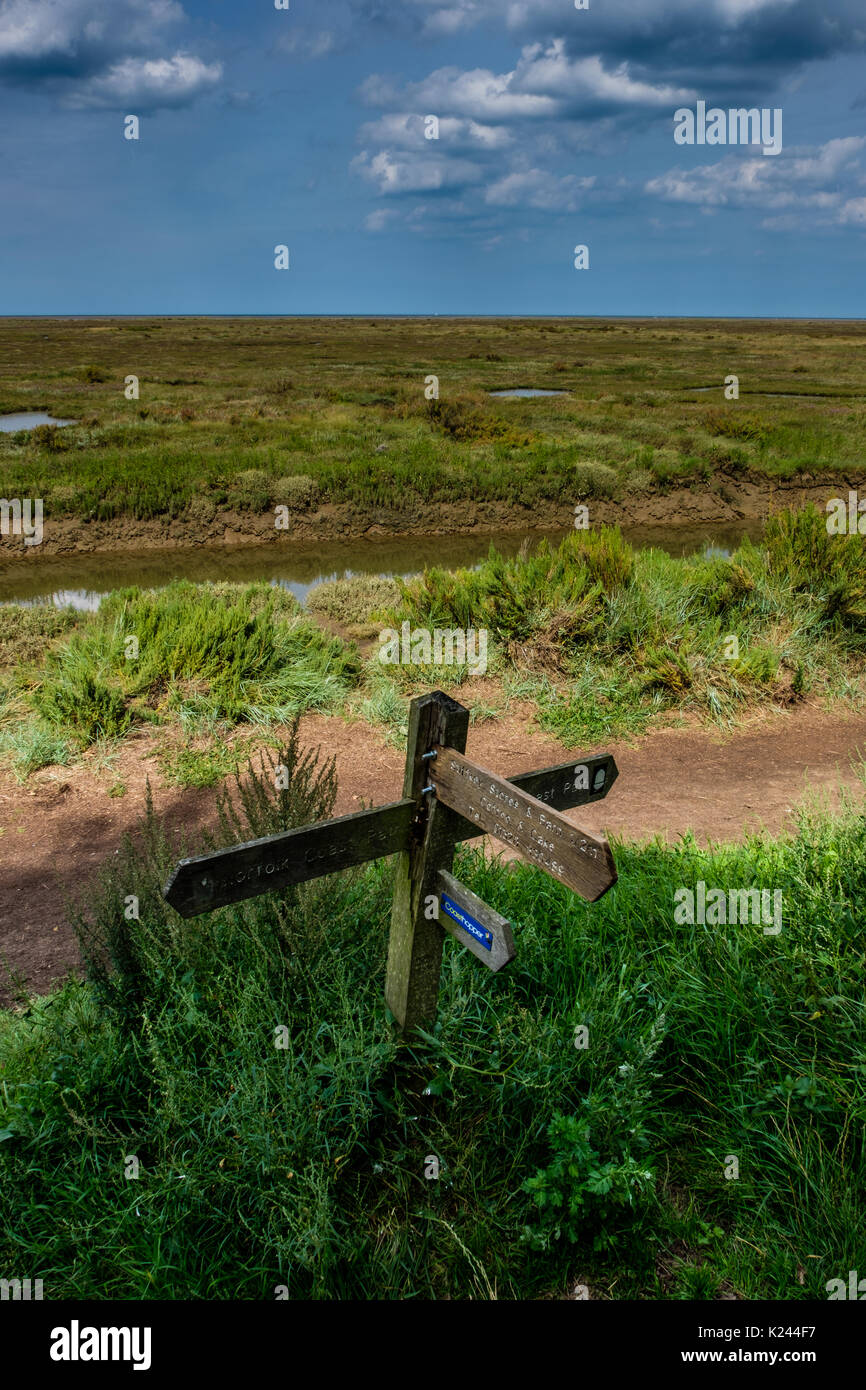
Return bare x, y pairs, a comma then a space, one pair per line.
446, 799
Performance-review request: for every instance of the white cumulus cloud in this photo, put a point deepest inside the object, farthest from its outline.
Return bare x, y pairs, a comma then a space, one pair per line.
148, 82
477, 94
93, 53
819, 180
78, 31
405, 173
583, 82
407, 130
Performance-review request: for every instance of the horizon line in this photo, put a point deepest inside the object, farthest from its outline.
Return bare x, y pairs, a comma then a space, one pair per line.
623, 318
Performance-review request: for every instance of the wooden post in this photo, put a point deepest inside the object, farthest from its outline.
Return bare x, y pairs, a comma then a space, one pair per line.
415, 942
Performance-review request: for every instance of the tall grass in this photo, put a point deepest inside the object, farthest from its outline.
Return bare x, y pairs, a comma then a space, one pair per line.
355, 602
225, 652
621, 636
305, 1165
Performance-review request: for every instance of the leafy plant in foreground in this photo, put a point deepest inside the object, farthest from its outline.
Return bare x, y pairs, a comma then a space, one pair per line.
577, 1191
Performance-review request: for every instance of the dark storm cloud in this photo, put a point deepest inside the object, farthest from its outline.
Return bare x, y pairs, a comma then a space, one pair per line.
678, 40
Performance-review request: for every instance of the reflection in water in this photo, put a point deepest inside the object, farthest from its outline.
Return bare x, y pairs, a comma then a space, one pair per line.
81, 580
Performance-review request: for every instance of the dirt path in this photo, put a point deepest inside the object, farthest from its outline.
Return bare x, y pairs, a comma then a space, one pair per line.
57, 830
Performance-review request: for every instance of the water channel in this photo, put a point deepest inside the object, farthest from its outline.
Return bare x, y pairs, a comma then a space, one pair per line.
81, 580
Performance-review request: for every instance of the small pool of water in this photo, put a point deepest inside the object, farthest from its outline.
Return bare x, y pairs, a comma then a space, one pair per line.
28, 421
526, 391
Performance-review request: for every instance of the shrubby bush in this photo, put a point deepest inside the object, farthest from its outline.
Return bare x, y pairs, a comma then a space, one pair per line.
250, 491
298, 492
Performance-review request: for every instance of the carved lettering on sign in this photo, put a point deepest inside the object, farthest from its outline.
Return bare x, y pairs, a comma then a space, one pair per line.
574, 856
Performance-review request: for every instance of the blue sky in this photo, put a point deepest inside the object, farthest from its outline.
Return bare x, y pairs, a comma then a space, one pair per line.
306, 127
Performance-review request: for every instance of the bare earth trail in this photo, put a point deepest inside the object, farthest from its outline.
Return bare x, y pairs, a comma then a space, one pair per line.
58, 829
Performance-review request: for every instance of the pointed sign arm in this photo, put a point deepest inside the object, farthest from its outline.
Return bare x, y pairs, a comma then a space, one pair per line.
292, 856
581, 860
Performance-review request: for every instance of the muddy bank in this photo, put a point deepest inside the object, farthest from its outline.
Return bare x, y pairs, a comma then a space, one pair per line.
725, 499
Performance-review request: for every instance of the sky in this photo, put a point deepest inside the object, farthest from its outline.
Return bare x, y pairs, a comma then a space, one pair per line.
309, 127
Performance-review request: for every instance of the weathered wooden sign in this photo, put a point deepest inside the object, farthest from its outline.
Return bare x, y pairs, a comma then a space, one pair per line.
293, 856
579, 860
470, 921
446, 799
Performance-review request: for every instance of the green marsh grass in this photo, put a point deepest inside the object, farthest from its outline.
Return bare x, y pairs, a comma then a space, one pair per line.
187, 766
356, 603
205, 653
337, 408
613, 637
